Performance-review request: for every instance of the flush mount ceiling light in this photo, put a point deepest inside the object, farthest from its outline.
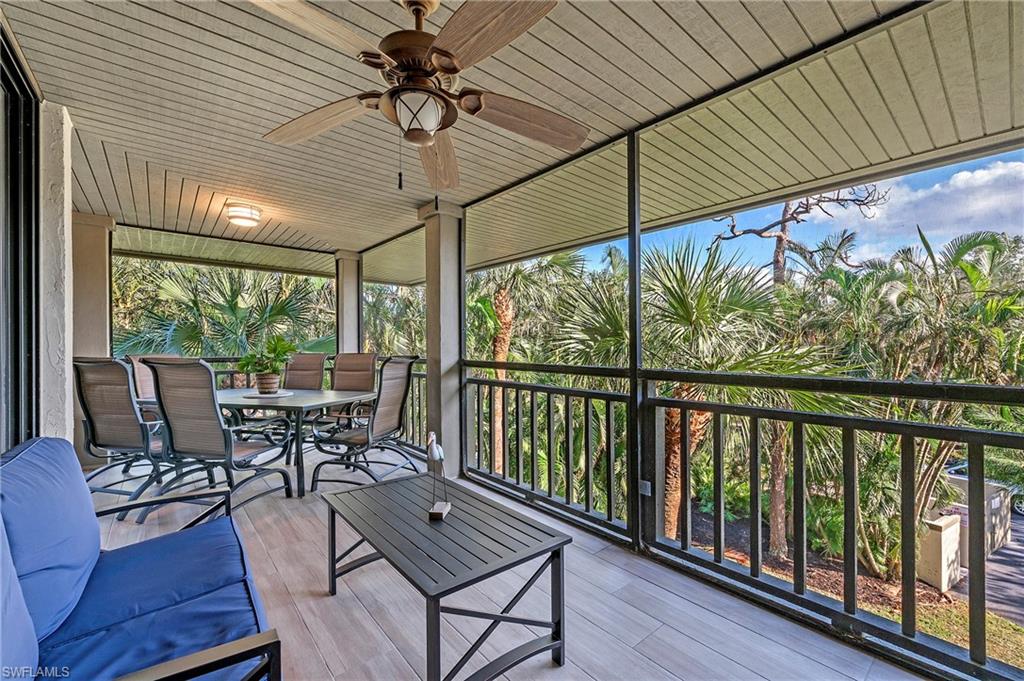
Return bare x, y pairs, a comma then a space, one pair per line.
243, 214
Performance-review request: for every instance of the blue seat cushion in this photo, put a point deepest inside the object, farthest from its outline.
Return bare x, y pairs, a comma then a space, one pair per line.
52, 529
154, 574
210, 619
18, 647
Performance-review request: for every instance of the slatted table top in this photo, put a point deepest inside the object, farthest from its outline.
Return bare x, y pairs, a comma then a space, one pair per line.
478, 538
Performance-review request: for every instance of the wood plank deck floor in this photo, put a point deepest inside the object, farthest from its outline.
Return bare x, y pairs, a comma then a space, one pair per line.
627, 617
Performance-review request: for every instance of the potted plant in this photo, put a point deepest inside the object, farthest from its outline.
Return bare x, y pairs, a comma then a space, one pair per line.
268, 364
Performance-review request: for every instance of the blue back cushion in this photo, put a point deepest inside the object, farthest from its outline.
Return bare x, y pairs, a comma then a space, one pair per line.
52, 528
18, 646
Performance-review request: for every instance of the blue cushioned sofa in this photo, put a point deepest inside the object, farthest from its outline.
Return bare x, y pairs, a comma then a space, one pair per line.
182, 605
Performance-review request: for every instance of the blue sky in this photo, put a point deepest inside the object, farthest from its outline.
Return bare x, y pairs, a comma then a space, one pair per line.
986, 193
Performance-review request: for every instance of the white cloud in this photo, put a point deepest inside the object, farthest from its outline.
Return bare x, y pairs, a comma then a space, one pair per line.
991, 197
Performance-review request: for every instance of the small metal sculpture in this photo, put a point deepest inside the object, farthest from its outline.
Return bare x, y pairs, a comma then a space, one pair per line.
435, 464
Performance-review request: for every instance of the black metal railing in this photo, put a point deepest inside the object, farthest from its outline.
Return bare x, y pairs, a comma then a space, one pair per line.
415, 433
512, 429
559, 445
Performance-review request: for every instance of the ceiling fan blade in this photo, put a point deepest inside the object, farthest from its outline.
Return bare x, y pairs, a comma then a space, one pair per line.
324, 26
524, 118
318, 120
479, 28
439, 162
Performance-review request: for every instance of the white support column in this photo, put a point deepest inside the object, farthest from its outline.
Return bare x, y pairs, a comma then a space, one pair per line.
56, 404
443, 232
348, 268
90, 259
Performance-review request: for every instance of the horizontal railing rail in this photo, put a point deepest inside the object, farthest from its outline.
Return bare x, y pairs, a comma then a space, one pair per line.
922, 390
600, 371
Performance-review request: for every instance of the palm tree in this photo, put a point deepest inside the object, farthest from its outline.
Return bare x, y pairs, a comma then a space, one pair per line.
394, 319
218, 311
497, 295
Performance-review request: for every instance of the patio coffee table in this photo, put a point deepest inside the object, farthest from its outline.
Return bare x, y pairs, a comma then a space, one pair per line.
478, 539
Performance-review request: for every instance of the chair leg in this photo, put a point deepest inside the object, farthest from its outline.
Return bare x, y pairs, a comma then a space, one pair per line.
348, 463
170, 485
138, 493
262, 473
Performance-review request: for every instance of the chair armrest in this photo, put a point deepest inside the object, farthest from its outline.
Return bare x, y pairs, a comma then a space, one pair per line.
264, 645
195, 495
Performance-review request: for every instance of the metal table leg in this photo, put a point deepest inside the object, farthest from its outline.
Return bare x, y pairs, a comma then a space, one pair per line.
332, 574
433, 639
558, 605
300, 467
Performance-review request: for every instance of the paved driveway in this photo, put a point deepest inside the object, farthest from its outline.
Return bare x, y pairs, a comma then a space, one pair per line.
1004, 576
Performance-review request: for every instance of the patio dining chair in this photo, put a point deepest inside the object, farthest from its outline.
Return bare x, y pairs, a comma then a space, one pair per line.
143, 376
116, 430
349, 447
305, 371
354, 371
186, 393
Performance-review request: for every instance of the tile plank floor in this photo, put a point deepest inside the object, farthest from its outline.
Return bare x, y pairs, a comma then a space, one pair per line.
627, 617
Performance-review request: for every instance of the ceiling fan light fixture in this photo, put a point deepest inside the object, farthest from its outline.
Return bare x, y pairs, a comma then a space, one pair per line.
420, 115
243, 214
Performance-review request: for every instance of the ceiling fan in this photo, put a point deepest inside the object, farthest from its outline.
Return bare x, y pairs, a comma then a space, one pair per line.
421, 70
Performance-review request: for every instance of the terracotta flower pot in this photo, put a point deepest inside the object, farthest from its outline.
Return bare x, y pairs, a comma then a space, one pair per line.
268, 384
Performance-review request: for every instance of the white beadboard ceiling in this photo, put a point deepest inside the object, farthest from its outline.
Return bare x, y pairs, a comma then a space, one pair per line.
195, 248
940, 83
170, 99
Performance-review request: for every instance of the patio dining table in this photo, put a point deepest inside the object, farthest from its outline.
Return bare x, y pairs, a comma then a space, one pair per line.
295, 405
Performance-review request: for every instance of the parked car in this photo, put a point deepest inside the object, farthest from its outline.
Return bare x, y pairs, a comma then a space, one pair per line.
958, 469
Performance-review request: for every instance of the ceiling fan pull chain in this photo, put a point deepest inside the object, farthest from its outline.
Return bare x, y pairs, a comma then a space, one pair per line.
399, 163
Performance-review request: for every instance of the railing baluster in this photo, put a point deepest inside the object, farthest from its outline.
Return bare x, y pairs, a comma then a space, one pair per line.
533, 440
506, 451
418, 425
552, 455
519, 437
799, 509
718, 473
479, 426
755, 496
976, 549
908, 535
588, 479
851, 497
685, 533
568, 450
609, 470
490, 429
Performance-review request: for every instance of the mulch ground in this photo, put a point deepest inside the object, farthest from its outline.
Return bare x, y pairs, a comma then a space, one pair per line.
823, 575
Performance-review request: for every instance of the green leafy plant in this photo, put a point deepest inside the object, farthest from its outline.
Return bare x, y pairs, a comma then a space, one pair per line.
270, 360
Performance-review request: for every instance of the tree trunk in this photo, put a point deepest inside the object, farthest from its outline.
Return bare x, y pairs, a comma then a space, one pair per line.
781, 246
505, 311
778, 547
699, 422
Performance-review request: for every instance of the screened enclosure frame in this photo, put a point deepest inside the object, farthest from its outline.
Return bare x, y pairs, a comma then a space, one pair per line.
898, 640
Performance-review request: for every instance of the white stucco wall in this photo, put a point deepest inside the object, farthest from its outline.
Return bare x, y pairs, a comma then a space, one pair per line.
56, 408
